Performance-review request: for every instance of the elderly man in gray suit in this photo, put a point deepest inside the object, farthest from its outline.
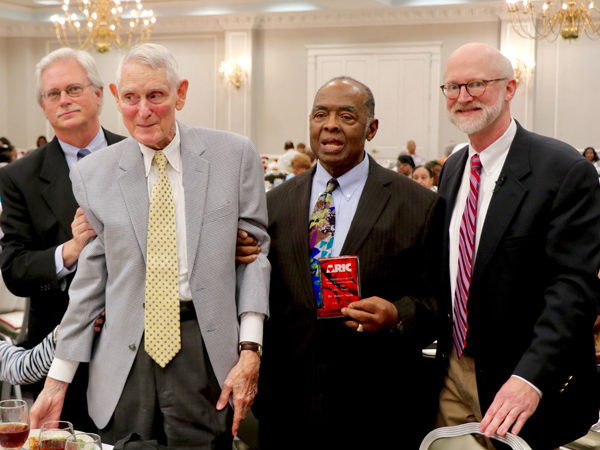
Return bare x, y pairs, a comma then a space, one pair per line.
166, 205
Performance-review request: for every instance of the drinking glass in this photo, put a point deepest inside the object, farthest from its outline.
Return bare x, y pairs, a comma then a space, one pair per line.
83, 441
14, 424
54, 434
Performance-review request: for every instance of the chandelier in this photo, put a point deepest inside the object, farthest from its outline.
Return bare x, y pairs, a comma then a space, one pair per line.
98, 24
564, 18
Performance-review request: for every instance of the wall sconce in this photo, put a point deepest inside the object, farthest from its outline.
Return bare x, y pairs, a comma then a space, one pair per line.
233, 72
523, 68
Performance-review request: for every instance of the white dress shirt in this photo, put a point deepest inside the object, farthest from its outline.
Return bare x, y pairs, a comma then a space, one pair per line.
251, 324
70, 152
345, 198
492, 162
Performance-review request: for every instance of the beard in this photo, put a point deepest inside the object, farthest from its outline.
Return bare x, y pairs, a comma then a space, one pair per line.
472, 124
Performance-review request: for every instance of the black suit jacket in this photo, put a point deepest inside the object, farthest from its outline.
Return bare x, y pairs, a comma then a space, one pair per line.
323, 384
38, 207
534, 290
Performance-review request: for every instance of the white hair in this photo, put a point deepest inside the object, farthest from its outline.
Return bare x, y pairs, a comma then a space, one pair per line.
68, 54
155, 56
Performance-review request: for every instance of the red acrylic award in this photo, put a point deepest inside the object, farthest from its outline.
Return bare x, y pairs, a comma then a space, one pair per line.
340, 285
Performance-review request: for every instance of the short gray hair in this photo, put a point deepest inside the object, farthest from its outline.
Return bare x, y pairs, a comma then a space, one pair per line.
369, 103
64, 55
155, 56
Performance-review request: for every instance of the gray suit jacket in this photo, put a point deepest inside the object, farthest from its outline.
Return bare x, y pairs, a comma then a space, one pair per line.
224, 191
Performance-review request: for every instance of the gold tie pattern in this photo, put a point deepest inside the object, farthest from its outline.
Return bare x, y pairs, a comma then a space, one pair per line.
162, 340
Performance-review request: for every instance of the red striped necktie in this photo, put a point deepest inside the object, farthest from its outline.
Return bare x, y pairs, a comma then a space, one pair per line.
465, 259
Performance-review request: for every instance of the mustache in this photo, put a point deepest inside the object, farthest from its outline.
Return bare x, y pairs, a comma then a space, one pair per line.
62, 111
472, 105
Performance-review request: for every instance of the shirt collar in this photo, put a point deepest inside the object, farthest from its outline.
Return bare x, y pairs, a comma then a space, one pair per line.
349, 182
97, 143
171, 151
493, 155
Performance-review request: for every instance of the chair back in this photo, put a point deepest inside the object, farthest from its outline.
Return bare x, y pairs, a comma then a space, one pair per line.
457, 434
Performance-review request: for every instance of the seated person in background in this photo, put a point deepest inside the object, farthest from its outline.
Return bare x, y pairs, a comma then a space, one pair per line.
285, 160
406, 165
424, 176
301, 163
435, 167
592, 157
8, 154
301, 147
41, 141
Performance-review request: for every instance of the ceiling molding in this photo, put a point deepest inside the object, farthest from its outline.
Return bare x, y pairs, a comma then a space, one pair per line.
465, 13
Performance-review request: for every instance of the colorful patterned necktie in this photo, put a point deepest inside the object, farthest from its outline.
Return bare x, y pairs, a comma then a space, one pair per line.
162, 341
465, 259
82, 153
321, 229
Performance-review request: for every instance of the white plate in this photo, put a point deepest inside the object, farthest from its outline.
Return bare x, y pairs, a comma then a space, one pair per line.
36, 433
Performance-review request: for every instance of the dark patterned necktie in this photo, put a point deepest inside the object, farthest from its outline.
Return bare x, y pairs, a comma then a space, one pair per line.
82, 153
321, 229
465, 259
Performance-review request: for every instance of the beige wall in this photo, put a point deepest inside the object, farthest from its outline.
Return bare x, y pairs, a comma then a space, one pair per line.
280, 110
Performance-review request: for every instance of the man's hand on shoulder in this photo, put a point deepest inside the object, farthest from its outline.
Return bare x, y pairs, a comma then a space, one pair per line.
375, 314
247, 249
242, 384
82, 231
514, 403
49, 403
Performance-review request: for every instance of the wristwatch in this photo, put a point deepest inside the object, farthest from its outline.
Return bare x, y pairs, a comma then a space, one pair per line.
253, 346
55, 335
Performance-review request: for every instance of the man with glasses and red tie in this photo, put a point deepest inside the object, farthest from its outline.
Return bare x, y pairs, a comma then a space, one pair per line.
42, 240
521, 253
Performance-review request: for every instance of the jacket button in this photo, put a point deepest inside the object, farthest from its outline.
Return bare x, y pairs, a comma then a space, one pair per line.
562, 390
132, 347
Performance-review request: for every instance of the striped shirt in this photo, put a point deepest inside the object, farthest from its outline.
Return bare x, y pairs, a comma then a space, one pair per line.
20, 366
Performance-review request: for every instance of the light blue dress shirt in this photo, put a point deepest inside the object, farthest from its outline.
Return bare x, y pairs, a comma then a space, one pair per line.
345, 198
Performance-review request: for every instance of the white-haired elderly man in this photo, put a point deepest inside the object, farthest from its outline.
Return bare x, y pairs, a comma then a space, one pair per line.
41, 241
182, 334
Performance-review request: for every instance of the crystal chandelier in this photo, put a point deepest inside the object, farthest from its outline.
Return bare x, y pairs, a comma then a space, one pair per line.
97, 25
565, 18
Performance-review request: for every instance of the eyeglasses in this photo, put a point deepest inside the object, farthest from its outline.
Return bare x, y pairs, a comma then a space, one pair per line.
474, 88
73, 90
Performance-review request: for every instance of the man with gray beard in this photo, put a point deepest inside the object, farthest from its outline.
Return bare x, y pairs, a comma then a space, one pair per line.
521, 257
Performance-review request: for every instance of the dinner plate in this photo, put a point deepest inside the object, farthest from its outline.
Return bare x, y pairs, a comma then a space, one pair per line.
36, 433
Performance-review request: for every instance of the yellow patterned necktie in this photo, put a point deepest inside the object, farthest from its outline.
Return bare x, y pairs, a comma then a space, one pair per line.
162, 340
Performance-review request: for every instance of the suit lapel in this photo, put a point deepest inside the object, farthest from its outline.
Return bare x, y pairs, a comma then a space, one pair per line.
299, 204
58, 192
195, 185
505, 201
112, 138
135, 190
372, 201
451, 177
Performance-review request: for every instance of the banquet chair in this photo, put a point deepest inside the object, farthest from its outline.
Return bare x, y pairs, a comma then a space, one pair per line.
458, 438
